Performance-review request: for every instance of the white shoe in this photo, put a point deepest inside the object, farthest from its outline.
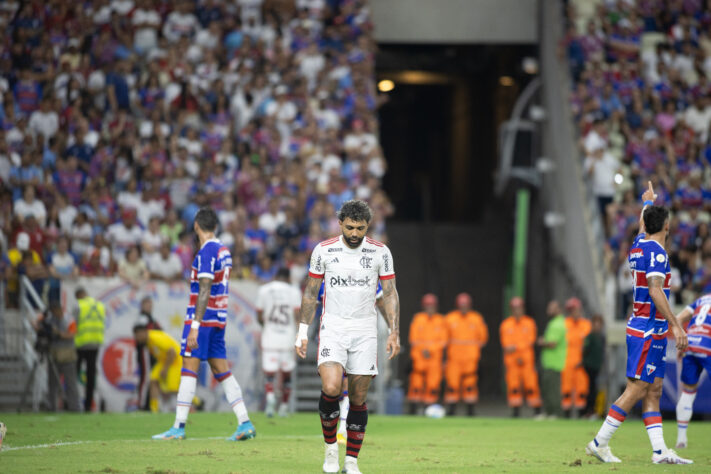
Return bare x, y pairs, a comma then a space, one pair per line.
539, 417
283, 410
350, 466
603, 453
681, 445
330, 463
271, 405
669, 457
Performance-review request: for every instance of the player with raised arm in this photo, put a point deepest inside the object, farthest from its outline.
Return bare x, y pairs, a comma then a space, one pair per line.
646, 337
204, 330
350, 265
277, 308
695, 318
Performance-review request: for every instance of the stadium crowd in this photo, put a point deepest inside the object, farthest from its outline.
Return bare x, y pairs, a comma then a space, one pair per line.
641, 72
119, 119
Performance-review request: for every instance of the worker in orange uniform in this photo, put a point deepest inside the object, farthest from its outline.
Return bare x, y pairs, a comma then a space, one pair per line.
467, 335
428, 338
518, 336
574, 383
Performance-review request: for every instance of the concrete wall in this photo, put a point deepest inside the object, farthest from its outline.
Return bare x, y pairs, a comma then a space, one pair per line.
455, 21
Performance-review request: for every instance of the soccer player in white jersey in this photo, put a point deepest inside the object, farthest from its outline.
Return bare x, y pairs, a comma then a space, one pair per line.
204, 329
343, 400
277, 307
350, 265
646, 331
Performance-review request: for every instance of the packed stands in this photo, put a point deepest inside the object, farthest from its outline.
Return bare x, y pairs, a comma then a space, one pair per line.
641, 100
121, 118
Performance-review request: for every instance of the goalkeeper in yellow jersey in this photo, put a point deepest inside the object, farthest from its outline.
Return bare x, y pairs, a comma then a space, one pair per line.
165, 373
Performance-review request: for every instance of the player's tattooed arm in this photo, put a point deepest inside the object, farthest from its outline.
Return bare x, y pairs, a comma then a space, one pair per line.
380, 304
309, 300
203, 298
656, 292
391, 304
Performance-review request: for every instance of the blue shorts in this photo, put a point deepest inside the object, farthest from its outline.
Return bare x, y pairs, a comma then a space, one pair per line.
646, 358
691, 367
211, 343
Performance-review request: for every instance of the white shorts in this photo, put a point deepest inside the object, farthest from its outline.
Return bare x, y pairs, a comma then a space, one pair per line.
275, 360
357, 353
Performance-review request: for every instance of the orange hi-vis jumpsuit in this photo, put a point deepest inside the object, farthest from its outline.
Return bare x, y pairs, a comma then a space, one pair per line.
428, 338
521, 363
467, 333
574, 383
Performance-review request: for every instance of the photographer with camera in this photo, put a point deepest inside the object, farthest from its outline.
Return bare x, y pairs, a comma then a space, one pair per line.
55, 338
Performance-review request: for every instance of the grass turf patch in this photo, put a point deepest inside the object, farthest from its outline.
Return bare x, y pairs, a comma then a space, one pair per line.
121, 443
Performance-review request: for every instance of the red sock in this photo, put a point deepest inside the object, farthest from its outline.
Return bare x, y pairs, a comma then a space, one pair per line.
330, 411
269, 382
355, 427
285, 387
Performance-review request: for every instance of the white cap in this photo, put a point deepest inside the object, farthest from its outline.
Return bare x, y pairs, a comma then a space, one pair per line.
23, 241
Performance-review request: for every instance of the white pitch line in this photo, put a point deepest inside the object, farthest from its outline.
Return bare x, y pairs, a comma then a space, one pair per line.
74, 443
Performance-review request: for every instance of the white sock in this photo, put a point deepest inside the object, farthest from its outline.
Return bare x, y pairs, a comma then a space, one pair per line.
186, 393
614, 420
653, 422
233, 392
684, 412
271, 398
344, 404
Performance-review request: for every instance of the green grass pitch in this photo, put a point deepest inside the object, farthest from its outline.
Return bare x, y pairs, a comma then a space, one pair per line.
121, 443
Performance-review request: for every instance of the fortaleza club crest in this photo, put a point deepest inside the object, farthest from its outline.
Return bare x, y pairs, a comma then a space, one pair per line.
366, 262
651, 368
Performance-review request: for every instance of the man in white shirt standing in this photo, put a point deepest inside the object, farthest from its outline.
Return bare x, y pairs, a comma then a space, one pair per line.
44, 121
277, 307
165, 265
29, 205
350, 266
271, 220
124, 234
600, 168
146, 21
698, 117
180, 23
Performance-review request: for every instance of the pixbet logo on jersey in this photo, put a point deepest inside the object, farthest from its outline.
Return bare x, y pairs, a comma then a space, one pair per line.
350, 281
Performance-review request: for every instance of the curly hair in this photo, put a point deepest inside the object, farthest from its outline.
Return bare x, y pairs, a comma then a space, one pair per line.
355, 209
